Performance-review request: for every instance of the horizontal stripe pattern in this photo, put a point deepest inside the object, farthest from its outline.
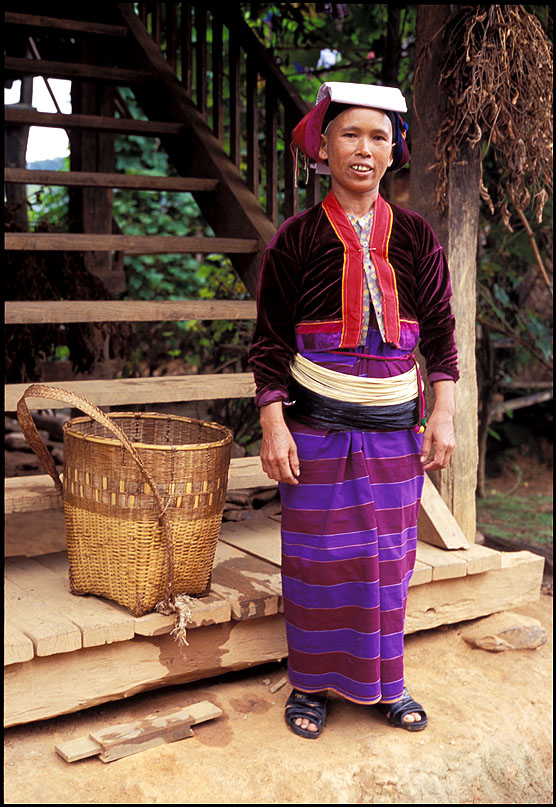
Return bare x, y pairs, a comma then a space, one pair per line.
349, 539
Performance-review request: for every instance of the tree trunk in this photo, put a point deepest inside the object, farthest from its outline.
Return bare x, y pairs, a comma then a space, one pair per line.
456, 228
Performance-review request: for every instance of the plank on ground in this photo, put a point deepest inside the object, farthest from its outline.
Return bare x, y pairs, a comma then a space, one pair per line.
159, 728
97, 620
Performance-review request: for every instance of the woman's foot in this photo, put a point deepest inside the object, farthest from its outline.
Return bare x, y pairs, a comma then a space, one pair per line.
306, 713
405, 713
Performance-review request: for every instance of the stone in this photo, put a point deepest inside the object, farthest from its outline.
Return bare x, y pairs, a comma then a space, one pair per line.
506, 631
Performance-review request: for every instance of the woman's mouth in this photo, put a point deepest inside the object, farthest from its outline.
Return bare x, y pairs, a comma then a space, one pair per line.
361, 168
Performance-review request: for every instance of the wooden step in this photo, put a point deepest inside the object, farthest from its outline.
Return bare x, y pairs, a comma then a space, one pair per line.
16, 67
23, 494
123, 391
130, 244
34, 312
86, 179
77, 26
98, 123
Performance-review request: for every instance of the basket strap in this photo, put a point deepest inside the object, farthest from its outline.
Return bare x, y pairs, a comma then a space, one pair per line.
77, 401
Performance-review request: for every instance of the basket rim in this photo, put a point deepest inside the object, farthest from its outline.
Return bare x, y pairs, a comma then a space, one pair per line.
228, 438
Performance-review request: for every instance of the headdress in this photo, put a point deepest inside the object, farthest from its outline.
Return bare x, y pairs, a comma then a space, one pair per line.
330, 99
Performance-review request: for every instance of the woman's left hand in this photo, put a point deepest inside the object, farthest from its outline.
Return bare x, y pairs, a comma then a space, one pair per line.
439, 439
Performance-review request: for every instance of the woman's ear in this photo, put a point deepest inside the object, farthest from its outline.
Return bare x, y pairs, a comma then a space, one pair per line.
391, 160
323, 151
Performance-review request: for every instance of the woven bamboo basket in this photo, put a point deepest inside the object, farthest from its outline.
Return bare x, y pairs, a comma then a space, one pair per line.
143, 495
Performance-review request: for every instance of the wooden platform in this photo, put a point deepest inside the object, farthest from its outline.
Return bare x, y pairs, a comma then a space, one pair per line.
64, 653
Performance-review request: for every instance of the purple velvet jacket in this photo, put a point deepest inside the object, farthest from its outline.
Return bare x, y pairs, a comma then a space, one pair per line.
311, 292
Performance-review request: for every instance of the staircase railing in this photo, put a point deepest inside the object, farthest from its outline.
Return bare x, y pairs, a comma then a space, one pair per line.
248, 102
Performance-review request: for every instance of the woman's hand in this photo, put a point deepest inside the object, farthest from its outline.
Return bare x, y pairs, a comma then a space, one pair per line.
439, 437
278, 449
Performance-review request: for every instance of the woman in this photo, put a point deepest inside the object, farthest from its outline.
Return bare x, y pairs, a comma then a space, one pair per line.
347, 290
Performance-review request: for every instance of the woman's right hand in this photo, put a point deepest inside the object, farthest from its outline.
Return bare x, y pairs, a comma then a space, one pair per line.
278, 449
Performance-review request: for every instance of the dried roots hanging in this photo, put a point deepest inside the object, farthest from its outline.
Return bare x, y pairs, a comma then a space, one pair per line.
497, 80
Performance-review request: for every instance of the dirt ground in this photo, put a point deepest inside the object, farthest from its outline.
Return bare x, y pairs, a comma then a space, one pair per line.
489, 738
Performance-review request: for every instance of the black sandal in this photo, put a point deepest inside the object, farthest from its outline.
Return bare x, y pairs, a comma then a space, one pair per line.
306, 705
395, 712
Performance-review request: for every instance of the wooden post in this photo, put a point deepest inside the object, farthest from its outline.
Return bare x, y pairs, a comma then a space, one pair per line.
456, 228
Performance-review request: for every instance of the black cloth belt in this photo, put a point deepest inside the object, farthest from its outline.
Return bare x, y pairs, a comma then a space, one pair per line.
310, 407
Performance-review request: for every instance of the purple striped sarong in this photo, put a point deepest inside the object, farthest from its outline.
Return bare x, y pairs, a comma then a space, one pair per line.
349, 537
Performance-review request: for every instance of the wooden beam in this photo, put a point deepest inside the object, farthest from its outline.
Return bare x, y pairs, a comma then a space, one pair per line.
130, 244
33, 312
456, 227
436, 525
81, 26
144, 390
86, 179
70, 683
18, 67
138, 665
98, 123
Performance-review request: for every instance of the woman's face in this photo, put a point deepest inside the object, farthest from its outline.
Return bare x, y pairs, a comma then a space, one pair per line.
358, 146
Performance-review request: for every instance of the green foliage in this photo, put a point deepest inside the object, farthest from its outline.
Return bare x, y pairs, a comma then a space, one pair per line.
515, 518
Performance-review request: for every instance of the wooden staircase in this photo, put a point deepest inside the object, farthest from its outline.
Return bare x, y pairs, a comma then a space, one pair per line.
227, 154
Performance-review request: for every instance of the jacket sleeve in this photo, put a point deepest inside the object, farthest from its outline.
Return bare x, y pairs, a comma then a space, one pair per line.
274, 344
436, 321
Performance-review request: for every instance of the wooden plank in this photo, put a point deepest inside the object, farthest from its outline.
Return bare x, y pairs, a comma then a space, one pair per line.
422, 573
247, 472
29, 312
480, 558
444, 563
251, 586
436, 524
97, 675
210, 610
517, 582
259, 537
86, 27
97, 123
23, 494
17, 646
80, 748
143, 390
130, 244
234, 209
34, 614
85, 179
122, 741
15, 66
159, 728
45, 579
